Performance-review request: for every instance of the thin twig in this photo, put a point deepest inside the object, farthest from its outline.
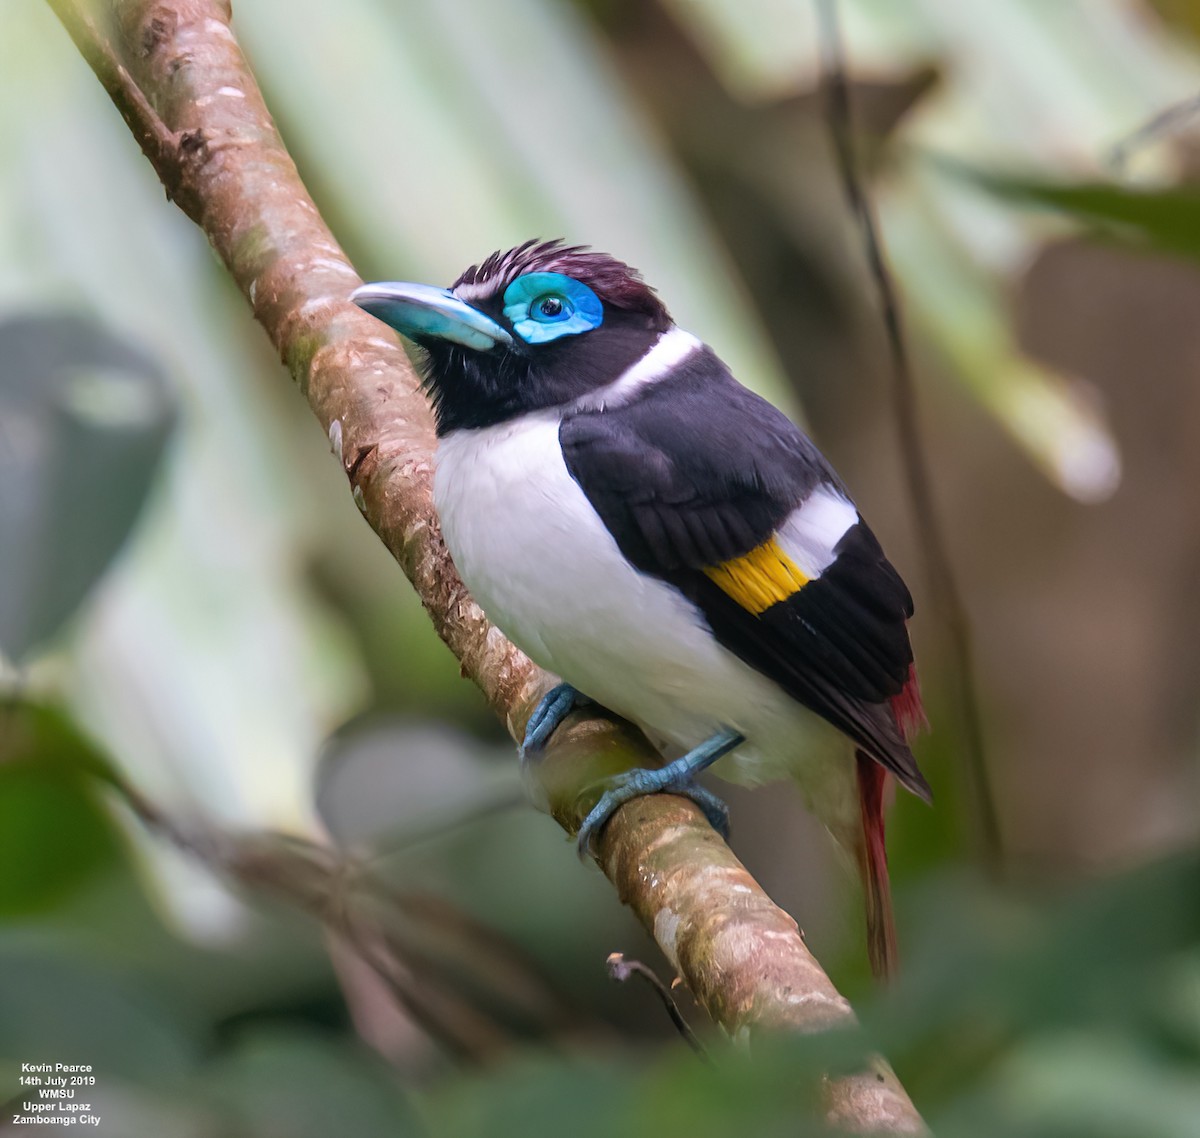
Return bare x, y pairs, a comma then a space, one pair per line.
401, 843
1166, 122
620, 969
938, 568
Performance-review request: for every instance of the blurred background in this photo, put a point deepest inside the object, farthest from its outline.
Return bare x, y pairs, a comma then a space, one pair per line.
344, 917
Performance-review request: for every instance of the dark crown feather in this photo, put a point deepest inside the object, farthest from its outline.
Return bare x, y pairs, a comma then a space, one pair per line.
613, 281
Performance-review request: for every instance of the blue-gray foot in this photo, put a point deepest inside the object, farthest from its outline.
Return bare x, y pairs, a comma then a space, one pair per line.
675, 778
551, 710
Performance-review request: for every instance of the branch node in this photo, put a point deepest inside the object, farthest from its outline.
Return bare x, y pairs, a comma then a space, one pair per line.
158, 27
360, 467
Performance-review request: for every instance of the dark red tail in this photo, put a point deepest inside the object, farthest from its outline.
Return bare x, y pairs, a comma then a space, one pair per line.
881, 929
907, 707
872, 781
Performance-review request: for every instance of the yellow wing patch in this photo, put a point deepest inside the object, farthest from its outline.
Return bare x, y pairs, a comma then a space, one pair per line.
758, 579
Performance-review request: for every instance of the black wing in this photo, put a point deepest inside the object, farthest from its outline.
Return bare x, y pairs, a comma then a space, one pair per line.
698, 476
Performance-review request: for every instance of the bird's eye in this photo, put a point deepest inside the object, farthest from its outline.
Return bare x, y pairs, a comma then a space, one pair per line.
548, 306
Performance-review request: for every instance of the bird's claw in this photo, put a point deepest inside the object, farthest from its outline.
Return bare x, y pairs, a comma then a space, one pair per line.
678, 777
640, 782
551, 710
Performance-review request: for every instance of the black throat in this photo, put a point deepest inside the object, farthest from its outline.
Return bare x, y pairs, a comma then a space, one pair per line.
471, 390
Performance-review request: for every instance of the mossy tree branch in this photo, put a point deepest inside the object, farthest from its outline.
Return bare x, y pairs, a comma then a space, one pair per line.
176, 74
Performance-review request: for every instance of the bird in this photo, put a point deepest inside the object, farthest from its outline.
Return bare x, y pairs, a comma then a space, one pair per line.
667, 542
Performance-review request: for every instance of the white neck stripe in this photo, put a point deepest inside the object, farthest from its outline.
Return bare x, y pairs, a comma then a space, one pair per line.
666, 353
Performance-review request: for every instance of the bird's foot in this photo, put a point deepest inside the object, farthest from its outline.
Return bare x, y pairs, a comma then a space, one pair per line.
551, 710
675, 778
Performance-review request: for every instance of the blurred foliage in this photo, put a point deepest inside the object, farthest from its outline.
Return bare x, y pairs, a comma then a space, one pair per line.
210, 623
87, 416
958, 256
1055, 1016
1164, 219
1014, 1018
54, 833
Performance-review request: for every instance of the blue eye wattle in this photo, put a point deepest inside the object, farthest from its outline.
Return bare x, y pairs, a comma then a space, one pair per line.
546, 306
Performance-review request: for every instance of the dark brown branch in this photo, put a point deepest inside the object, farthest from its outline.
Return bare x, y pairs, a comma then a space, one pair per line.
175, 71
939, 571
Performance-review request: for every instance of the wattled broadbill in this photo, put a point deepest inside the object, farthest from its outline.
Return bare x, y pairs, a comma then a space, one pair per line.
665, 540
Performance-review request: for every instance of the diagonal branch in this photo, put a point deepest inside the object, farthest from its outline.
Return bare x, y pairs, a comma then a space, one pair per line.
178, 77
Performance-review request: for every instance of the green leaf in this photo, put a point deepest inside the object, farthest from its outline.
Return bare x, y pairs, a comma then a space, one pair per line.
300, 1085
93, 414
1166, 219
54, 833
61, 1007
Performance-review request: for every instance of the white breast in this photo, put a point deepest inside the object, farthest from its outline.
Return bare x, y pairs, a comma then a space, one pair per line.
538, 559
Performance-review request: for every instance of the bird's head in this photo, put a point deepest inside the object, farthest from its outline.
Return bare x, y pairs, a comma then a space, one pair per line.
537, 326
